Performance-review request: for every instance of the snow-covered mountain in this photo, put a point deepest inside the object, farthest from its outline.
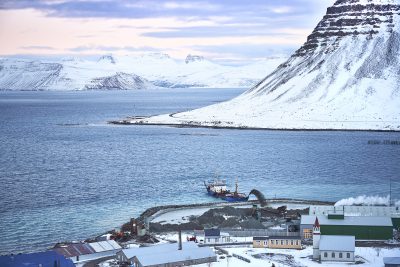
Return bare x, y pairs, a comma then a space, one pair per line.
346, 76
111, 72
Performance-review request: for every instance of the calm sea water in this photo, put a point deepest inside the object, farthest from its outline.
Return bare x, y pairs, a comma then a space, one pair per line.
67, 175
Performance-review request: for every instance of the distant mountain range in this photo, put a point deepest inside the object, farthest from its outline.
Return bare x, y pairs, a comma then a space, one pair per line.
145, 71
346, 76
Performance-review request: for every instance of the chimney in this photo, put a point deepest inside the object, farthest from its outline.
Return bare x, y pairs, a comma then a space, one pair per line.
180, 240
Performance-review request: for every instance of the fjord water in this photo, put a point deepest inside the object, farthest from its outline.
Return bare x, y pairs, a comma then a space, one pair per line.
66, 174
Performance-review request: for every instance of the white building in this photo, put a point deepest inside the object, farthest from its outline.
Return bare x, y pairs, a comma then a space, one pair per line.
339, 248
214, 236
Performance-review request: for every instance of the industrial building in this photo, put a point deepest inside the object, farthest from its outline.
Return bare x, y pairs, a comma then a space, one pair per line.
165, 255
362, 227
82, 252
43, 259
281, 242
375, 211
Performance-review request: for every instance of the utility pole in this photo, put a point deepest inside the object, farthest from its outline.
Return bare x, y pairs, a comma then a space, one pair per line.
390, 191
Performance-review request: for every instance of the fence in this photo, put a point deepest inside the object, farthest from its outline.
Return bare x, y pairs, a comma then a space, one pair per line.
257, 232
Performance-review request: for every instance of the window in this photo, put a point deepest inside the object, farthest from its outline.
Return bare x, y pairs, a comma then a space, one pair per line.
340, 255
307, 233
348, 255
291, 242
281, 242
326, 254
333, 254
287, 242
272, 242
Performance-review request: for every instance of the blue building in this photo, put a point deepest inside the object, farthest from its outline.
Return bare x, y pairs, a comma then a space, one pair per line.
43, 259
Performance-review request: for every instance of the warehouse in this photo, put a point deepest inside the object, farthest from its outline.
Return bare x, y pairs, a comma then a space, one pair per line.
375, 211
82, 252
362, 227
188, 253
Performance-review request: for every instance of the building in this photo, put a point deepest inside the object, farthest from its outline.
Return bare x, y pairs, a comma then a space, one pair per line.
214, 236
375, 211
362, 227
82, 252
188, 253
391, 261
282, 242
332, 247
260, 241
44, 259
337, 248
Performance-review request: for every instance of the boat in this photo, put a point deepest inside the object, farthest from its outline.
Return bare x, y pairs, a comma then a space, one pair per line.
217, 188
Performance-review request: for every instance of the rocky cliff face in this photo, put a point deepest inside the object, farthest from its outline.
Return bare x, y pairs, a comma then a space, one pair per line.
359, 36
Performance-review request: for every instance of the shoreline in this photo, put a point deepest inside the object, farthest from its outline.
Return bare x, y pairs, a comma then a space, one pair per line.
188, 125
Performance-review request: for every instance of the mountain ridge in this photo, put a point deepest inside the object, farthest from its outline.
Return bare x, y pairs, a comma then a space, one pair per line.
345, 76
157, 69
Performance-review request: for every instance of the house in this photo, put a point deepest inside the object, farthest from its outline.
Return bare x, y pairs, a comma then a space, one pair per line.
391, 261
362, 227
332, 247
44, 259
260, 241
165, 255
214, 236
282, 242
82, 252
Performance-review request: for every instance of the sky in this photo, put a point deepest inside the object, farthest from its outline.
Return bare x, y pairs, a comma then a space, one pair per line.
221, 30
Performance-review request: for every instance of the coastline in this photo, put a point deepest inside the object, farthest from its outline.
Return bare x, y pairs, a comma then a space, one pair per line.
192, 125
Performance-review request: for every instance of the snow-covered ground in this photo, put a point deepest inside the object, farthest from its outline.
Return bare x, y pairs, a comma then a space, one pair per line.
182, 215
261, 257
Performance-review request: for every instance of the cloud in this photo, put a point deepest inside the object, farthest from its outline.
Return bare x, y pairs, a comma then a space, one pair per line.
37, 47
112, 48
233, 28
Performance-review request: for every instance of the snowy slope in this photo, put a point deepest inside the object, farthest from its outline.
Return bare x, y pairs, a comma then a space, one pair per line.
346, 76
155, 70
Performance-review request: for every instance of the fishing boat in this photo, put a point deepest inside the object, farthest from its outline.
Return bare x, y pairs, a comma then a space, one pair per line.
217, 188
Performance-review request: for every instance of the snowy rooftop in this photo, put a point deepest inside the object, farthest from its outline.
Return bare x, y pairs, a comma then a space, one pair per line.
337, 243
391, 260
356, 210
176, 256
348, 220
157, 249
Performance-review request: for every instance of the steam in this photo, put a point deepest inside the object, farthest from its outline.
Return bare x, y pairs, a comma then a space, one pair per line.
366, 201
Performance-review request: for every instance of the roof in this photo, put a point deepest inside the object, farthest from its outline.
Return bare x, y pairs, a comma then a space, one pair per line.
316, 223
348, 220
337, 243
105, 246
212, 232
157, 249
393, 212
391, 260
285, 237
194, 253
260, 238
46, 259
77, 249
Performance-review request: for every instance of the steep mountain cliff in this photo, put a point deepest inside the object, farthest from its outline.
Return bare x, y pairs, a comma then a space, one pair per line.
346, 76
